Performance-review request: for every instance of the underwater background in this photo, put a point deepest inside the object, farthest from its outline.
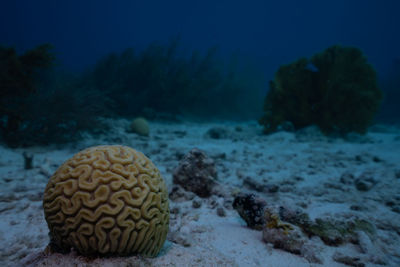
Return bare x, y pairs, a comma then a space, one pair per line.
286, 112
143, 59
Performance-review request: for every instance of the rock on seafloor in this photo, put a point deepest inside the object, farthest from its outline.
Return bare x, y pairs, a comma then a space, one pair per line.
196, 173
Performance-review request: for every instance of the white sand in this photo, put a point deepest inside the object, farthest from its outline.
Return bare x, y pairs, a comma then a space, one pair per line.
213, 240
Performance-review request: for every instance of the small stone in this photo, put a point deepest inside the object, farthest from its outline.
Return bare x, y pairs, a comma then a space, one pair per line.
359, 158
348, 260
358, 207
390, 203
271, 188
212, 203
35, 196
217, 133
181, 238
298, 178
221, 212
178, 194
196, 203
251, 209
376, 159
228, 203
196, 173
175, 210
253, 184
287, 188
290, 241
308, 251
295, 217
219, 156
347, 178
365, 182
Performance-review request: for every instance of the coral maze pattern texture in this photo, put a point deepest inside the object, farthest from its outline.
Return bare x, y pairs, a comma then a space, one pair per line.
108, 200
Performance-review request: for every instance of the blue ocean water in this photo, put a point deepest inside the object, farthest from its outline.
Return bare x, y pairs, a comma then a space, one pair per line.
275, 94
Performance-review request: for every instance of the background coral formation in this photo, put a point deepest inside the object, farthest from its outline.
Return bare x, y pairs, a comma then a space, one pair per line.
18, 80
160, 81
40, 104
108, 200
140, 126
336, 90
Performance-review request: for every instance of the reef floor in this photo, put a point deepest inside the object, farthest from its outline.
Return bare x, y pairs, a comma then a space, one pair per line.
342, 181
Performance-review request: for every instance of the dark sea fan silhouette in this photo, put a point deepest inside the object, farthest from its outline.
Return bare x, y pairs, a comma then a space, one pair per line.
340, 94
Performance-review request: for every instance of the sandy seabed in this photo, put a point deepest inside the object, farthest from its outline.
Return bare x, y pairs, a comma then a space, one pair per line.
309, 171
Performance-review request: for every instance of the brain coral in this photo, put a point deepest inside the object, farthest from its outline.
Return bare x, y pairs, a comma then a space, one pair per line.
107, 200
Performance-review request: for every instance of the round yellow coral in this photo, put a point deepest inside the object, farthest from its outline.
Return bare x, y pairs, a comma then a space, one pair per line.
108, 200
140, 126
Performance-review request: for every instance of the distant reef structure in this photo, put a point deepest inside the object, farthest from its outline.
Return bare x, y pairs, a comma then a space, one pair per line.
18, 78
164, 78
41, 104
336, 90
